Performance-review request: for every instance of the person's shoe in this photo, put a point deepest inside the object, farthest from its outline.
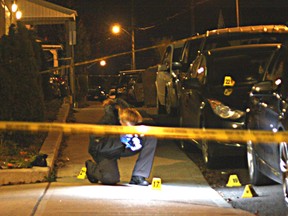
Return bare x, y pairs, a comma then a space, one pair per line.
138, 180
91, 179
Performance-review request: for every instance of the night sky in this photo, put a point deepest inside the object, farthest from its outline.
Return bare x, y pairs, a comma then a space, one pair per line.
172, 19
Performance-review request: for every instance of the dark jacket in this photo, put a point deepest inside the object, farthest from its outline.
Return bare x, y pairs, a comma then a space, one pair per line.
108, 146
105, 147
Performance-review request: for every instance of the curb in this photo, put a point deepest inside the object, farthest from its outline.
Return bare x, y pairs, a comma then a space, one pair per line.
50, 147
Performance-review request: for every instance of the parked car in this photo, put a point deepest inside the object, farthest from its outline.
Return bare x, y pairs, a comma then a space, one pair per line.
175, 65
267, 110
167, 101
215, 94
58, 86
226, 37
130, 87
97, 93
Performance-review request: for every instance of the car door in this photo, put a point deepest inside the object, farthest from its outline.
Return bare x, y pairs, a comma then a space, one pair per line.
171, 95
189, 54
163, 75
192, 98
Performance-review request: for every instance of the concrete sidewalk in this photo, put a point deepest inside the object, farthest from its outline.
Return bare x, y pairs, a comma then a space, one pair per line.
184, 190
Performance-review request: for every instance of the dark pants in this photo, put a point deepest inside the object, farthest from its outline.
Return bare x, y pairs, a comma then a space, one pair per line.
106, 171
107, 153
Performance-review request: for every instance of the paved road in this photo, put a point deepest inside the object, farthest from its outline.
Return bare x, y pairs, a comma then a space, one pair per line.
184, 190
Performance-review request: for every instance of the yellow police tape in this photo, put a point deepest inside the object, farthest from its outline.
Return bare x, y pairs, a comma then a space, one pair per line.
159, 132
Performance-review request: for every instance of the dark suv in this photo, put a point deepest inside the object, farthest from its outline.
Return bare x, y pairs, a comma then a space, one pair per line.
267, 110
215, 93
169, 96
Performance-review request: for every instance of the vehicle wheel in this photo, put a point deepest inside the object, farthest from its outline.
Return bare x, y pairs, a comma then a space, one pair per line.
208, 153
283, 168
256, 177
160, 108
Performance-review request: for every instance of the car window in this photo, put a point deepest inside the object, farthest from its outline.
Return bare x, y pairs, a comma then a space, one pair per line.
277, 71
194, 50
236, 68
184, 57
199, 69
191, 50
177, 54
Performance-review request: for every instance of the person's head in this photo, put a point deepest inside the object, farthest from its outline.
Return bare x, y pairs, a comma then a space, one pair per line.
118, 103
108, 102
129, 116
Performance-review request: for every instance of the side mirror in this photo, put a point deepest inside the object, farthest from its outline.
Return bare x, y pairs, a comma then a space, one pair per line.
262, 87
176, 66
192, 83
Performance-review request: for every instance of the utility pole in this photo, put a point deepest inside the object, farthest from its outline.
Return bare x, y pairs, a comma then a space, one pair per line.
237, 13
133, 63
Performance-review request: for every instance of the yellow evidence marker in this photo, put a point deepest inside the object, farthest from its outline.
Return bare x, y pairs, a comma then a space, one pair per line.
249, 192
156, 183
82, 174
233, 181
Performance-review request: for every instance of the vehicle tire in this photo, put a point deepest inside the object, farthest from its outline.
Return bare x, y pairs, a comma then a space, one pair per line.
208, 153
256, 177
284, 169
160, 108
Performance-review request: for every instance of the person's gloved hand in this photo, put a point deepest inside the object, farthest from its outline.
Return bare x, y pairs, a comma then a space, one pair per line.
131, 141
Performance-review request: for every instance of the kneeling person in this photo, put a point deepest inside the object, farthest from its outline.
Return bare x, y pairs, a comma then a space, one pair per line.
107, 150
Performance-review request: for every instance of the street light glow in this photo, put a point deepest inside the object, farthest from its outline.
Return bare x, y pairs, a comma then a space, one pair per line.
102, 63
18, 15
116, 29
14, 7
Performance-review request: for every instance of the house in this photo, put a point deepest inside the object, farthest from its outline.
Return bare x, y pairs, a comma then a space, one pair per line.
38, 12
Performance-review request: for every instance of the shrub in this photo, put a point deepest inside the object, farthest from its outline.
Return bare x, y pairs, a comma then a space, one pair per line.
21, 94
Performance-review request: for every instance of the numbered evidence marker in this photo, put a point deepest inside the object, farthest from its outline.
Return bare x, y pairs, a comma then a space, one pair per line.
156, 183
233, 181
228, 81
82, 174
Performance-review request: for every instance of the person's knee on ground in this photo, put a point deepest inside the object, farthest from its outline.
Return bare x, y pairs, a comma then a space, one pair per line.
92, 171
109, 171
109, 178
